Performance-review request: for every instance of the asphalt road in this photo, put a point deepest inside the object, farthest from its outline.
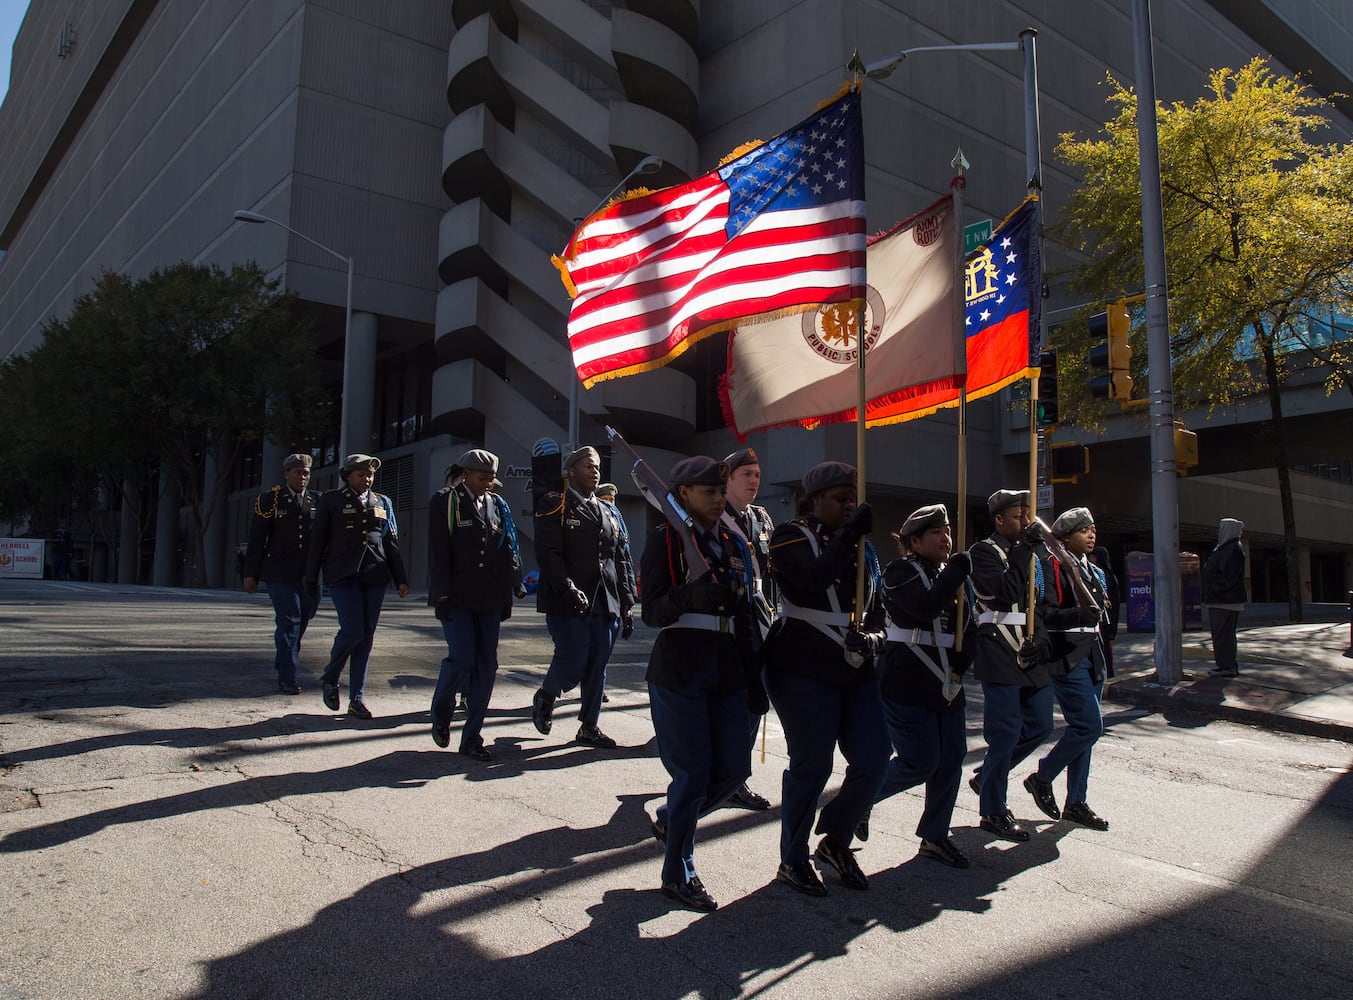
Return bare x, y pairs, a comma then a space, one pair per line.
171, 827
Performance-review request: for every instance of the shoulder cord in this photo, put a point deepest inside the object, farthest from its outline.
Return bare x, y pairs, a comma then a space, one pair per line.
276, 492
509, 526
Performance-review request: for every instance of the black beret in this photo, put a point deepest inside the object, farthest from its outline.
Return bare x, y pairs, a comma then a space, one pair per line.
923, 519
698, 470
738, 459
825, 475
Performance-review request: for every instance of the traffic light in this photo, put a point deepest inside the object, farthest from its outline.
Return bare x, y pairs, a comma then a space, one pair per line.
1067, 462
1185, 448
1047, 387
1112, 358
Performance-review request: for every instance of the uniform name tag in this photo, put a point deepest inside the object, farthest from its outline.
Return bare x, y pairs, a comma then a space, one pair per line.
573, 522
349, 510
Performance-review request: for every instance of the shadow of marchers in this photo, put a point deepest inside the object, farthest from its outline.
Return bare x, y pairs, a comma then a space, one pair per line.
399, 769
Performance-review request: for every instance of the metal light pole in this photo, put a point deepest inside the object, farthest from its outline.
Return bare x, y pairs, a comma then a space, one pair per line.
242, 216
648, 165
1166, 585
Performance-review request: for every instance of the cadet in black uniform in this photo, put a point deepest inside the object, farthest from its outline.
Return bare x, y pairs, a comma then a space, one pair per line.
1076, 663
755, 526
473, 571
923, 674
356, 543
582, 593
820, 676
1017, 701
279, 533
699, 670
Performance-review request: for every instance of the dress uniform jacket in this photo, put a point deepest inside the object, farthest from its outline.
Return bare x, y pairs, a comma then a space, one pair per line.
1000, 579
1070, 641
471, 563
279, 533
916, 595
756, 528
578, 540
805, 570
350, 540
678, 653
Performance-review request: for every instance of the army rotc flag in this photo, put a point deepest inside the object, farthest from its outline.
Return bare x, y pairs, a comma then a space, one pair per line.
777, 229
802, 369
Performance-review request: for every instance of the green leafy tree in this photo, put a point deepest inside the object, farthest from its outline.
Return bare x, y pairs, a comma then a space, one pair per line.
1258, 242
190, 363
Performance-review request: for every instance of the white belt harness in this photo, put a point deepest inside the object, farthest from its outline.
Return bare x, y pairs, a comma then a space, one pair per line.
918, 639
708, 623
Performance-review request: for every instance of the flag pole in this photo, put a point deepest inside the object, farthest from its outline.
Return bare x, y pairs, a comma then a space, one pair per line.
957, 186
857, 613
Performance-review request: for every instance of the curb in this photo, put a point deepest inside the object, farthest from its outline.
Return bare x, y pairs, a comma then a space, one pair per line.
1182, 699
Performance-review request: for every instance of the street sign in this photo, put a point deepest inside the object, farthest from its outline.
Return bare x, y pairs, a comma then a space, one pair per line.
1045, 498
975, 235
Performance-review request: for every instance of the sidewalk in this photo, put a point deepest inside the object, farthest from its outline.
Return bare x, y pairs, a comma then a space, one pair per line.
1295, 678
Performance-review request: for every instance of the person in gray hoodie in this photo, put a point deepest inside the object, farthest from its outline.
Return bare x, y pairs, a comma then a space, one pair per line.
1224, 595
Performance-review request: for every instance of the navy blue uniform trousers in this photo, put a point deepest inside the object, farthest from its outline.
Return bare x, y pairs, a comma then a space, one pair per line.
471, 666
1015, 722
581, 648
292, 613
702, 740
1078, 695
817, 717
929, 747
358, 606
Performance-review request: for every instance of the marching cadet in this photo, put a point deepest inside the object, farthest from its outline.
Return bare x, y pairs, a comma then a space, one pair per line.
474, 569
356, 543
819, 673
1017, 709
1077, 666
755, 526
582, 593
279, 533
606, 493
700, 669
923, 674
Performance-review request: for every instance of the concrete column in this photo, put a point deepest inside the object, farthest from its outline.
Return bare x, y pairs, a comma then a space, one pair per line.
129, 533
273, 457
1348, 570
214, 540
1304, 571
166, 528
361, 366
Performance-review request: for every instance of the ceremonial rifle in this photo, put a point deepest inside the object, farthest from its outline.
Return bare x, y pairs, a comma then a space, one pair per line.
1060, 552
655, 491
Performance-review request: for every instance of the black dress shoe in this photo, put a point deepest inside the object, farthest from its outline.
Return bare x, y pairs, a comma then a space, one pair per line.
659, 829
542, 711
862, 829
1043, 796
441, 735
479, 753
975, 782
358, 710
463, 705
944, 851
690, 894
1080, 812
843, 860
330, 695
285, 688
591, 736
1005, 827
748, 799
802, 877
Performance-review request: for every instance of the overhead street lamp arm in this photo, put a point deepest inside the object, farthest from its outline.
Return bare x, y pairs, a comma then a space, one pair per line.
242, 216
881, 68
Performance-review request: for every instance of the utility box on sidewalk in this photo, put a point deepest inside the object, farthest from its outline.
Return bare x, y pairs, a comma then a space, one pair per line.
1141, 604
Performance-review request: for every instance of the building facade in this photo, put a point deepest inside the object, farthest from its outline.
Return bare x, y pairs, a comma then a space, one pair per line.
449, 149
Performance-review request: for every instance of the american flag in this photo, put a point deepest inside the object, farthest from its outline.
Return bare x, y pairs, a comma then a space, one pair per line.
779, 228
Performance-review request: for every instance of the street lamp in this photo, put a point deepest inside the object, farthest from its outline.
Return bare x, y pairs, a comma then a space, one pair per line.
648, 165
242, 216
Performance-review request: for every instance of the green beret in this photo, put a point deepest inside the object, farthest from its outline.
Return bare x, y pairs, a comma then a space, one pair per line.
738, 459
359, 461
479, 460
586, 451
297, 461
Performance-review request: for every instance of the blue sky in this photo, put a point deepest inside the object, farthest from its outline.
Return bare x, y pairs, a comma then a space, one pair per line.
11, 14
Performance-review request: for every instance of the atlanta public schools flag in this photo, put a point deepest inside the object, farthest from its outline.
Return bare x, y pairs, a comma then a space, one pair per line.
802, 369
777, 229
